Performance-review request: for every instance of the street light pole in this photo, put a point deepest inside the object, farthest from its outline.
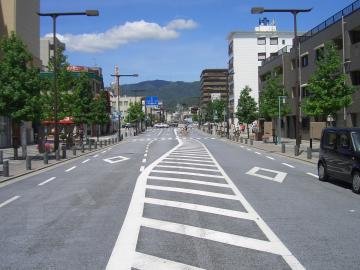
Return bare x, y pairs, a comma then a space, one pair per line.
56, 94
117, 76
279, 119
294, 12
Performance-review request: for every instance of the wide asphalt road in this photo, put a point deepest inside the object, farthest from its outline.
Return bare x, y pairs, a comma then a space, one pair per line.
162, 200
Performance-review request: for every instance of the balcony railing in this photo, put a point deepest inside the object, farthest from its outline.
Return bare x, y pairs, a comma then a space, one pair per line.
330, 21
283, 50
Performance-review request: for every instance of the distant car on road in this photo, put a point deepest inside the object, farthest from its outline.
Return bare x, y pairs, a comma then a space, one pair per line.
161, 125
340, 156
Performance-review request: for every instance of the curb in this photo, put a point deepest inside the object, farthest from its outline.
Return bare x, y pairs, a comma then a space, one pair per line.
56, 163
259, 148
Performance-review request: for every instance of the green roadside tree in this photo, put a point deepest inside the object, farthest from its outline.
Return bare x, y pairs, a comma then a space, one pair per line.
135, 114
99, 113
247, 111
215, 111
19, 84
327, 89
82, 103
269, 98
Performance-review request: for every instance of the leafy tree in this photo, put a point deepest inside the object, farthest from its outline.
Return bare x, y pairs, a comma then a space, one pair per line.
195, 117
269, 98
215, 108
135, 113
327, 89
19, 83
247, 108
82, 100
99, 114
65, 82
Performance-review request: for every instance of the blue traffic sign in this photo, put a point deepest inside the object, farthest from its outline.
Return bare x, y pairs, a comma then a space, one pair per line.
152, 101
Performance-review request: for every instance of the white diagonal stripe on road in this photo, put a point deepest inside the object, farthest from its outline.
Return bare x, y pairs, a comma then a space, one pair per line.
189, 173
201, 208
226, 238
193, 191
206, 183
187, 168
143, 261
47, 181
188, 159
188, 163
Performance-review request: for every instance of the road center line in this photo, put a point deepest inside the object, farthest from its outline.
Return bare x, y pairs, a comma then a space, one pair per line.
291, 166
145, 155
70, 169
46, 181
86, 160
9, 201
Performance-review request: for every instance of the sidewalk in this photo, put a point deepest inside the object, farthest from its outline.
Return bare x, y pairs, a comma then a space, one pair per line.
18, 167
289, 147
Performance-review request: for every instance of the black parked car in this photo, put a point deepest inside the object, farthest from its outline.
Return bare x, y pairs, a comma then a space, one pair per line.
340, 156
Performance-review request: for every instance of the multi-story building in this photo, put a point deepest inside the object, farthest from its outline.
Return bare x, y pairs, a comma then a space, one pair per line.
47, 50
343, 29
214, 85
19, 16
246, 52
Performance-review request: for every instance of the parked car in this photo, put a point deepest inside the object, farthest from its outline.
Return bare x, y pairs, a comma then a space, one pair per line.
340, 156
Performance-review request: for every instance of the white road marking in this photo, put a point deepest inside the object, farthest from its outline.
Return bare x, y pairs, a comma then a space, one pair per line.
188, 159
205, 183
96, 156
109, 148
70, 169
145, 155
226, 238
351, 210
213, 138
189, 156
47, 181
144, 160
279, 176
270, 158
145, 261
188, 163
248, 149
86, 160
103, 152
201, 208
189, 173
193, 191
116, 159
314, 175
142, 168
291, 166
9, 201
124, 252
258, 153
188, 168
241, 146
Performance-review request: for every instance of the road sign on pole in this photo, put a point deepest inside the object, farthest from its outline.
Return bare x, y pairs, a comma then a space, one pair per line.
152, 102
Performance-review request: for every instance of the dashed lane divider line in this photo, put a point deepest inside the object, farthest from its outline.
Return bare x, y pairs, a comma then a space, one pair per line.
9, 201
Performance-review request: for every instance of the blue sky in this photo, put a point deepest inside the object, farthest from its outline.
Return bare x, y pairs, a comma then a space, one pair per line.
166, 39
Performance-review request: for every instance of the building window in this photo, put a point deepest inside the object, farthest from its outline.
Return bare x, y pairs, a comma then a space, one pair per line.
283, 41
120, 103
261, 41
304, 92
355, 36
274, 41
126, 103
305, 60
261, 56
355, 77
273, 54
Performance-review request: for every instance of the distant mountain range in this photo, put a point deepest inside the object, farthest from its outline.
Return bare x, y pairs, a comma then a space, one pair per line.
171, 93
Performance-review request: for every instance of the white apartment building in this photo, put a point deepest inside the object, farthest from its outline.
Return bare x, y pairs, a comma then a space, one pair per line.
246, 52
124, 104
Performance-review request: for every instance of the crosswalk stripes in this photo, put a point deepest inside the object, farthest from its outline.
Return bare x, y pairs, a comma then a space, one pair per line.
169, 139
177, 186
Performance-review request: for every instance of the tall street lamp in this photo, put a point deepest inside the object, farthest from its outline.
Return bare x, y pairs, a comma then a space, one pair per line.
54, 16
117, 76
294, 12
279, 119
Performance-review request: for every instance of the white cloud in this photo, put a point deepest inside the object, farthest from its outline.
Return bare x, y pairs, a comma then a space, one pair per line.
122, 34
